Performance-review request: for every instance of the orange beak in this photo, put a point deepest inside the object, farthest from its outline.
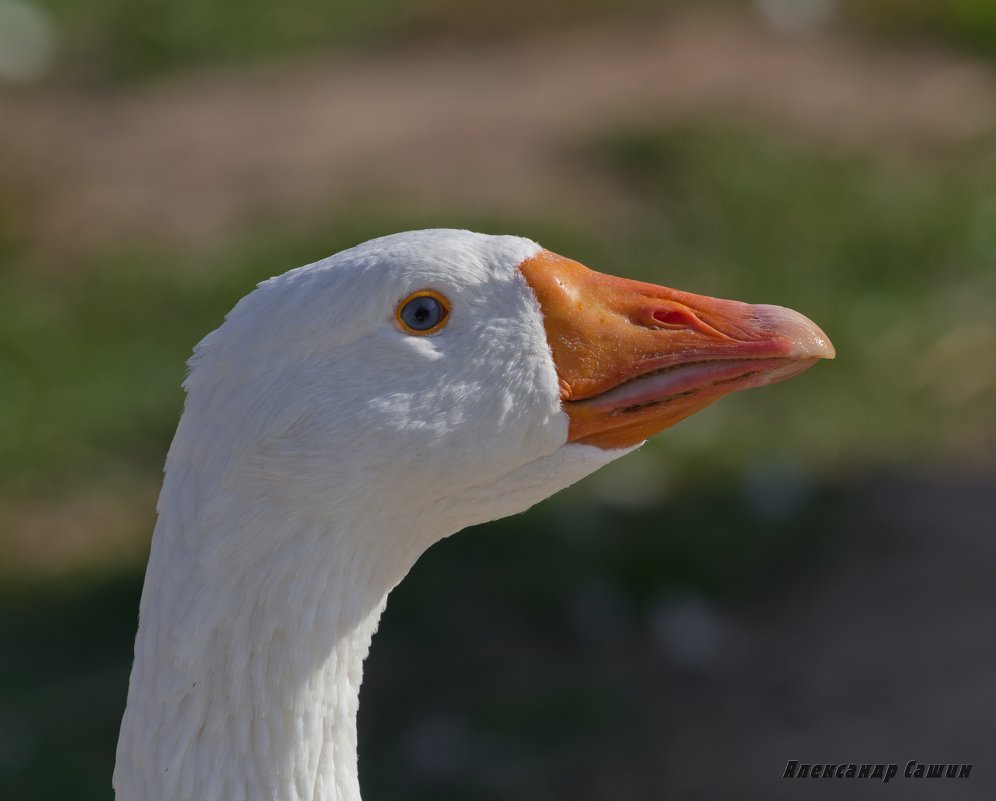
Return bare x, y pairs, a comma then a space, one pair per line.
635, 358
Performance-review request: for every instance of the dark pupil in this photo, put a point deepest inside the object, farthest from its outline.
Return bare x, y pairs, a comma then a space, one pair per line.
422, 313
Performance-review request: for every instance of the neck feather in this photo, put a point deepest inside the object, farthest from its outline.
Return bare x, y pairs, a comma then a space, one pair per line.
248, 663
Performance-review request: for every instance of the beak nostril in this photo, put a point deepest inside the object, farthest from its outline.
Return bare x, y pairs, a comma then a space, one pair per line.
675, 317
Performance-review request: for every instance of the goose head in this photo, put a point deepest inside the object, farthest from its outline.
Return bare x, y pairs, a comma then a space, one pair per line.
462, 376
344, 417
403, 375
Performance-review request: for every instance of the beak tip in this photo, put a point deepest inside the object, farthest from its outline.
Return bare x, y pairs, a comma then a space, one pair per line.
808, 342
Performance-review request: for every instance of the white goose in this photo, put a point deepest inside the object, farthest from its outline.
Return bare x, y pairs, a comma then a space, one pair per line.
346, 416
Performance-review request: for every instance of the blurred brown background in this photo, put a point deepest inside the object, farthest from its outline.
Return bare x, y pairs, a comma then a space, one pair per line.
803, 572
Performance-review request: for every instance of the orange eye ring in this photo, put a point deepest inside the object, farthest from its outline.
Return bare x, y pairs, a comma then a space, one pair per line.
422, 313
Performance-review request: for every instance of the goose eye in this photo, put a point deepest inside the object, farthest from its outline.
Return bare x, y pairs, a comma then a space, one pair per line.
423, 312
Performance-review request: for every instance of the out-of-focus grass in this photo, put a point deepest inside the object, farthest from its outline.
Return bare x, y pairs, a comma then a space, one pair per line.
63, 680
122, 40
543, 688
964, 24
119, 40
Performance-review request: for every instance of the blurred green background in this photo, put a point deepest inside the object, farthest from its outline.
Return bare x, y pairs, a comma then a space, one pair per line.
787, 575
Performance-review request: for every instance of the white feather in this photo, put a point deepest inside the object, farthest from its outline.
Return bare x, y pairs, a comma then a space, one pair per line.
320, 452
